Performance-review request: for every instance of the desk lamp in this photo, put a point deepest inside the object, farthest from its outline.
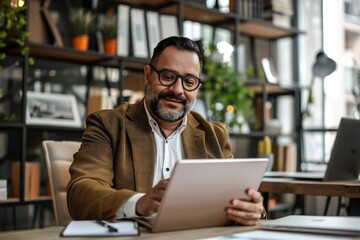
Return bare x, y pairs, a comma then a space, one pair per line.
322, 67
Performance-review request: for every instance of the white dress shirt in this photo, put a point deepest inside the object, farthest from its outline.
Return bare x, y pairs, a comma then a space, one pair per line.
168, 151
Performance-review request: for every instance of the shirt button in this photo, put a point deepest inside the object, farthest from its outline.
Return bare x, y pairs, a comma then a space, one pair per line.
167, 169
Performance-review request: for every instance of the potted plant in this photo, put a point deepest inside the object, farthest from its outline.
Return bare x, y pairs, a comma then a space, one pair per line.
109, 29
226, 94
80, 20
12, 29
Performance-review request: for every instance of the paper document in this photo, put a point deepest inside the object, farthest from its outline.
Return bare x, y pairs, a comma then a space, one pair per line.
91, 228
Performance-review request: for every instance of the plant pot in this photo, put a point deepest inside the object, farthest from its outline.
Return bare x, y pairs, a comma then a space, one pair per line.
81, 42
110, 46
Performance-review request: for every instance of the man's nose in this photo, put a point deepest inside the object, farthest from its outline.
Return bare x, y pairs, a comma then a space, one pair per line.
177, 87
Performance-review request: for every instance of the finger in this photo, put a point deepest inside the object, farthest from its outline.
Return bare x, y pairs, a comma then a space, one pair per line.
162, 184
247, 206
243, 218
255, 196
235, 213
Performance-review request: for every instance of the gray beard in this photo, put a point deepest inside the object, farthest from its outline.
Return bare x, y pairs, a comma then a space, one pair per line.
160, 113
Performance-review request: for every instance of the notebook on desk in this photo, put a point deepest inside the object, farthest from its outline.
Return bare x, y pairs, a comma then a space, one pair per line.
199, 191
344, 162
315, 224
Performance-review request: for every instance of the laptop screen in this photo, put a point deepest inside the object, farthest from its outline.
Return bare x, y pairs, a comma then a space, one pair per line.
344, 163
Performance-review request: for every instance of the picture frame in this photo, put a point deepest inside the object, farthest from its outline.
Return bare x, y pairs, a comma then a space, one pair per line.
168, 25
50, 109
123, 30
153, 29
138, 33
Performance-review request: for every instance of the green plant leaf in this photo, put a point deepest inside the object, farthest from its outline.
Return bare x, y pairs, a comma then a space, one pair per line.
224, 87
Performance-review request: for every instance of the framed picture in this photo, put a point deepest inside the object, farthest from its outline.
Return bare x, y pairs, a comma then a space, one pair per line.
153, 26
123, 30
52, 109
138, 33
169, 26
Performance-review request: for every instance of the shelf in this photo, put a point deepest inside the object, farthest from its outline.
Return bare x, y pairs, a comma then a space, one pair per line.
271, 89
16, 201
55, 128
266, 30
257, 134
200, 13
143, 3
320, 129
84, 57
11, 125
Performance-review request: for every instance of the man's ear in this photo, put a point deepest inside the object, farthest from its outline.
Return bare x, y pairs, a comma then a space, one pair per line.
147, 73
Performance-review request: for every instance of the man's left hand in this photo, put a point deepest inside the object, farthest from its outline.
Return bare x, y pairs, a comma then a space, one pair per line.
246, 212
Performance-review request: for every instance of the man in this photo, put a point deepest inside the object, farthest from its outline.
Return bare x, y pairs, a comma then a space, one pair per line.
127, 153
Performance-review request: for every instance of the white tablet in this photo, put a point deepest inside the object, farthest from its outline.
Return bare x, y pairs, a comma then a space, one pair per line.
200, 190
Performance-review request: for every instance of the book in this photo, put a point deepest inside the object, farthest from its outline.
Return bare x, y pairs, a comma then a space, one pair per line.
3, 183
32, 179
93, 228
280, 20
3, 189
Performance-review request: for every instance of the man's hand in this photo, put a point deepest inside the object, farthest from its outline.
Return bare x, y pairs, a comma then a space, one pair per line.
246, 212
150, 202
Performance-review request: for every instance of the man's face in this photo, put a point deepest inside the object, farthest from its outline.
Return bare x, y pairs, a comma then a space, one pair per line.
171, 103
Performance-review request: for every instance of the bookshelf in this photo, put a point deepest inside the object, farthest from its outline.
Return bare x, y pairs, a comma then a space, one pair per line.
64, 69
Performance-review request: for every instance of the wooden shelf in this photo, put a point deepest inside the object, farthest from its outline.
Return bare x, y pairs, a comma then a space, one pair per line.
258, 134
271, 89
266, 30
198, 13
16, 201
84, 57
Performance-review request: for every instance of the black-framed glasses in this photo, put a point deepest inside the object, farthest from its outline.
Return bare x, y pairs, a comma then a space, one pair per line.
168, 78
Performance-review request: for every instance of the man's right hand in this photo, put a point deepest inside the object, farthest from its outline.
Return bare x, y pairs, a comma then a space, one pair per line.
150, 202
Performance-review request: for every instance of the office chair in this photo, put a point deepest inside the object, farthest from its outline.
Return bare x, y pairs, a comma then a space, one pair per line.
59, 156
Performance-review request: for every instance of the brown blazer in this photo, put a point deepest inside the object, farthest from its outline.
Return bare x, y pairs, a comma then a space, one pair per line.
117, 157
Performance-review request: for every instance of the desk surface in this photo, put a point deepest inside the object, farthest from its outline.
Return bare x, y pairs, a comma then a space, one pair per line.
316, 188
53, 233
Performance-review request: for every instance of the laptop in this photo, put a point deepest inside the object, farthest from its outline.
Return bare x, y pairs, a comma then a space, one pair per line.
315, 224
344, 162
199, 191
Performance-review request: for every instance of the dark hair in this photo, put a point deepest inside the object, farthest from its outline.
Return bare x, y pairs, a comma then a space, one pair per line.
181, 43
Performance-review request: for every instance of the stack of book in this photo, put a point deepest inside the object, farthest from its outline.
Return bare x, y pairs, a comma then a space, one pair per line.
278, 12
251, 9
3, 189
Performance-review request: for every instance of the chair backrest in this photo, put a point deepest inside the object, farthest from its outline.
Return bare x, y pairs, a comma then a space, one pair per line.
59, 156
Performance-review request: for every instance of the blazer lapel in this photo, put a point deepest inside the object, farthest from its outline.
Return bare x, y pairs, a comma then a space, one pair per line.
142, 147
193, 140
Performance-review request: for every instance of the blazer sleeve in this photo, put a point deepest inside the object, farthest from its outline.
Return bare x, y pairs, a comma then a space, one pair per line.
91, 193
